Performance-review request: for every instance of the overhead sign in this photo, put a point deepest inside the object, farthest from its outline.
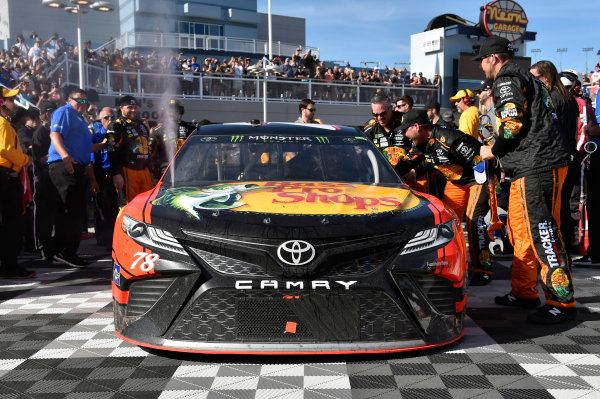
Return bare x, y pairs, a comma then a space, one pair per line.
504, 18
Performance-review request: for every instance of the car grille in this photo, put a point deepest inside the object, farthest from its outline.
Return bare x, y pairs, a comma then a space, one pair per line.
145, 293
262, 316
351, 266
439, 291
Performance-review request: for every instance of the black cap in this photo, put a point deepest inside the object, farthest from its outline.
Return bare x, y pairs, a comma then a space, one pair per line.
127, 100
494, 45
485, 85
414, 116
447, 116
432, 103
47, 106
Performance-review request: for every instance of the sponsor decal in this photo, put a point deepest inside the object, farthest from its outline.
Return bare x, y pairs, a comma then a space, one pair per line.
549, 244
511, 128
443, 139
117, 275
452, 172
145, 261
560, 283
279, 139
208, 138
322, 139
484, 259
296, 198
481, 232
435, 265
237, 139
394, 154
350, 140
465, 150
296, 252
292, 285
509, 111
504, 83
505, 90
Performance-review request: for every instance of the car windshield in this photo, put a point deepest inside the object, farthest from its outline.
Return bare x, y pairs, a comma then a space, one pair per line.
206, 159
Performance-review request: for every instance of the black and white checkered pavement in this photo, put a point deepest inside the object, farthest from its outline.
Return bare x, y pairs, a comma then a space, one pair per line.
57, 341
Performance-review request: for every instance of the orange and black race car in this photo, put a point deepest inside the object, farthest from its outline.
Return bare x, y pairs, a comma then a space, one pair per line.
286, 239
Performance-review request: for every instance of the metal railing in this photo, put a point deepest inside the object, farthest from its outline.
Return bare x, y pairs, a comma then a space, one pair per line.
202, 42
229, 87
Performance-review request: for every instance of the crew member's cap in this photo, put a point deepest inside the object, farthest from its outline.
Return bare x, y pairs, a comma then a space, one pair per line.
485, 85
462, 93
494, 45
447, 116
47, 106
432, 103
9, 93
414, 116
127, 100
569, 77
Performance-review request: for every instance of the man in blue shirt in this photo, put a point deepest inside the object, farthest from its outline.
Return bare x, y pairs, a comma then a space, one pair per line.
69, 158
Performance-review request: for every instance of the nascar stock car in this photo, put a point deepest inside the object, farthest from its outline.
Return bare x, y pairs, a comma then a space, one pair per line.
286, 239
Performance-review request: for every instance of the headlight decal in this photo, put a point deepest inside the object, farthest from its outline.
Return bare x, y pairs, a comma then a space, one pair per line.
151, 236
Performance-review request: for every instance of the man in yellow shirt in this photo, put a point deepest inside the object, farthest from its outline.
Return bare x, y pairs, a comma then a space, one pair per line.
469, 114
12, 160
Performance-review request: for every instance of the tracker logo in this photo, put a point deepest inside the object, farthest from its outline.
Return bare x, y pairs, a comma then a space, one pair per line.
548, 242
296, 252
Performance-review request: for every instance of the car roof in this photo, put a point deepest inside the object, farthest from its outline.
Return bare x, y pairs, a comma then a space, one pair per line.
288, 128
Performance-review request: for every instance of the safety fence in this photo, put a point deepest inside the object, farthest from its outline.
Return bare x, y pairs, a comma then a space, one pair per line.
228, 87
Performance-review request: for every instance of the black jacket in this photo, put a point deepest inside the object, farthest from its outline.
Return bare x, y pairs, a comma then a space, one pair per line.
529, 135
393, 144
451, 151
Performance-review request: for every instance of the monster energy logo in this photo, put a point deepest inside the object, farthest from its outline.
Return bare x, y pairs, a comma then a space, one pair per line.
322, 139
237, 139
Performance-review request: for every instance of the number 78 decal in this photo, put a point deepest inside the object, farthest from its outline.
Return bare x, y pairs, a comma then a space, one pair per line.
148, 263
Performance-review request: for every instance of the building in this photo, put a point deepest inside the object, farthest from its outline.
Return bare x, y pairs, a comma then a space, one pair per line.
210, 27
449, 42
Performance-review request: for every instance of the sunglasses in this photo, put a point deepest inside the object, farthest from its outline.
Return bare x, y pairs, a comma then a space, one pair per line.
107, 117
311, 109
401, 105
79, 100
380, 113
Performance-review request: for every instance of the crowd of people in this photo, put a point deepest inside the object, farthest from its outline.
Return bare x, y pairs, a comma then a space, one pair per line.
27, 66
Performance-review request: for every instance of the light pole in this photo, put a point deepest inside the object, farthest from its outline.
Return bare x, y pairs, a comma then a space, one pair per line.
535, 52
264, 72
586, 50
79, 7
561, 51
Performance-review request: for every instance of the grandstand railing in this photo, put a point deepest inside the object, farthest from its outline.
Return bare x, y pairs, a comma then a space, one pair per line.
227, 87
202, 42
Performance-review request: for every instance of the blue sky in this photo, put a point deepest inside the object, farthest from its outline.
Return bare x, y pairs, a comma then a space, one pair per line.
379, 30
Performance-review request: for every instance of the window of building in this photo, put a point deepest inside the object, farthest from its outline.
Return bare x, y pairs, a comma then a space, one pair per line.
199, 28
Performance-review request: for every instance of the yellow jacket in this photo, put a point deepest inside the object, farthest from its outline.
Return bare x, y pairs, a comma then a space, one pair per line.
11, 155
469, 122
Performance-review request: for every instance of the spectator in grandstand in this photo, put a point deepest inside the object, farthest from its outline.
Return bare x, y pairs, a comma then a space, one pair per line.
469, 114
52, 46
22, 47
35, 52
595, 76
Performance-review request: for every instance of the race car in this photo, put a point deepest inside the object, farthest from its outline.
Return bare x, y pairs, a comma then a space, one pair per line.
286, 239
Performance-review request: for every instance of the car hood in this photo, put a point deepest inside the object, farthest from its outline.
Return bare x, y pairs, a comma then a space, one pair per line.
291, 210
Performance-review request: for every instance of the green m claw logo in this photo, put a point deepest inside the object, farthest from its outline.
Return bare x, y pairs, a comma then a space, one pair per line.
237, 139
322, 139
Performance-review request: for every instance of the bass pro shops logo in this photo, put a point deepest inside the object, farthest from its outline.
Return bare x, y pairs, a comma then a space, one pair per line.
296, 252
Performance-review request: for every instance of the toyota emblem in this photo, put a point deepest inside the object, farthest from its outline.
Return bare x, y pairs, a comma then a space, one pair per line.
296, 252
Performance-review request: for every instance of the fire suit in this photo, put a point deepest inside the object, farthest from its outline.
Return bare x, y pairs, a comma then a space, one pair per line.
129, 155
454, 154
165, 142
534, 155
395, 146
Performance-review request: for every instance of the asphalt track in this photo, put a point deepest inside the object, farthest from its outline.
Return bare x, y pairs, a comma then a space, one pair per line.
57, 341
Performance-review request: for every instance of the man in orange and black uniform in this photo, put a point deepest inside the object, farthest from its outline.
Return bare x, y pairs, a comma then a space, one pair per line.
455, 154
384, 131
129, 152
532, 153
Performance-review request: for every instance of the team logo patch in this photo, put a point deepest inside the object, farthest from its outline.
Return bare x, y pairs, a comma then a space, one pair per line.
394, 154
509, 111
560, 283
